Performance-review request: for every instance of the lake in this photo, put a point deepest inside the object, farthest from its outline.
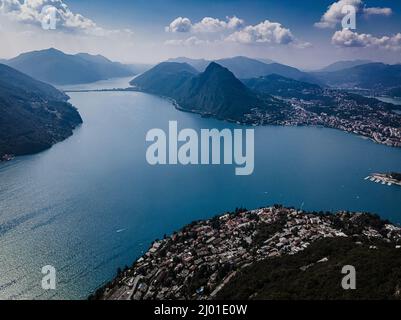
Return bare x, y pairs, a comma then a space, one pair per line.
396, 101
91, 203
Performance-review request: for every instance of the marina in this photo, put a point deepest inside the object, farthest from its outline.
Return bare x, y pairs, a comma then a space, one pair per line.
388, 179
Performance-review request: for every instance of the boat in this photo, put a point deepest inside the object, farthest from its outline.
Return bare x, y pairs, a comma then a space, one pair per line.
7, 157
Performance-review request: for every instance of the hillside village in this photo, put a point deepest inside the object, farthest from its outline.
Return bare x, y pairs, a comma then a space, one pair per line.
198, 261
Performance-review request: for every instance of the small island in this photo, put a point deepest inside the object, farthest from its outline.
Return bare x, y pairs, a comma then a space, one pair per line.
389, 179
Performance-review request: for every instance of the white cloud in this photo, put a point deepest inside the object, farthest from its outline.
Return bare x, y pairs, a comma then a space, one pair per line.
233, 29
235, 23
32, 12
179, 24
349, 39
264, 32
211, 25
206, 25
377, 11
333, 16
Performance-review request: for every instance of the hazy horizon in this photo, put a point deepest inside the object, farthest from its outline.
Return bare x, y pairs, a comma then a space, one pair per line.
178, 57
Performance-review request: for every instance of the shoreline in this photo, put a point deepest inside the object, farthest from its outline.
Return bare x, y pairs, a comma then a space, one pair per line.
254, 123
251, 123
16, 156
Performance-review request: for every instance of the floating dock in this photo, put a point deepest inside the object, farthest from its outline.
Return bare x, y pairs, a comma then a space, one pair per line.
384, 179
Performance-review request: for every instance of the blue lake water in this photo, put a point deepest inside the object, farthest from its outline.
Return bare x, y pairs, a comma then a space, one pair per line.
91, 204
396, 101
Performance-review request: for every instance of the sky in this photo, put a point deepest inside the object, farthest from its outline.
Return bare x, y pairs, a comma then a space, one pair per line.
307, 34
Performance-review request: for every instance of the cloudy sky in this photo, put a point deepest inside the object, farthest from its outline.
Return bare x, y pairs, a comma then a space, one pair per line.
307, 36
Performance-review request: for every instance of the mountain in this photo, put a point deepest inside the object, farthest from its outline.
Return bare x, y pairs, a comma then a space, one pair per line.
284, 87
290, 72
341, 65
377, 76
165, 79
245, 68
33, 115
238, 65
106, 68
267, 61
138, 68
198, 64
55, 67
287, 88
216, 91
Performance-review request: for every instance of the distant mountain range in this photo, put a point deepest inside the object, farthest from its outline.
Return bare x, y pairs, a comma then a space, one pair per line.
237, 65
244, 68
56, 67
324, 99
33, 115
353, 74
199, 64
138, 68
374, 76
216, 91
341, 65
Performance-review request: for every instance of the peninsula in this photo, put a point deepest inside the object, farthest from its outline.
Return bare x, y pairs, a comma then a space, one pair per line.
272, 253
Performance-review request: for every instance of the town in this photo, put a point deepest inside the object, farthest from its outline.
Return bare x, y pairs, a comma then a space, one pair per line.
337, 109
198, 261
